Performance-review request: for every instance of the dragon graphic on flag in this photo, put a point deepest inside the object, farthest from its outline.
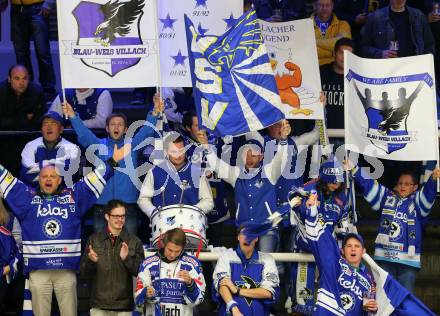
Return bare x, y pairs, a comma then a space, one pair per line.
234, 85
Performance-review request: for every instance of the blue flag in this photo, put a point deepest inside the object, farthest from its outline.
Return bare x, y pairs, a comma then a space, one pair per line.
391, 297
234, 85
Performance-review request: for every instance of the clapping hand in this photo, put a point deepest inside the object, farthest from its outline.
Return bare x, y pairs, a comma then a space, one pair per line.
93, 256
124, 251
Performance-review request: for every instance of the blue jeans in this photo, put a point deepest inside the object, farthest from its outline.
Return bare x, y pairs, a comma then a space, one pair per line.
130, 225
27, 23
271, 243
406, 275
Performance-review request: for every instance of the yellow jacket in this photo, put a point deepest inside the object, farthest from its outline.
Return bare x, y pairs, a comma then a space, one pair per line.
26, 2
325, 44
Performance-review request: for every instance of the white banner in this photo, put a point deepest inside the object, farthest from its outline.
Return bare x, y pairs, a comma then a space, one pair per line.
292, 50
107, 43
213, 17
390, 107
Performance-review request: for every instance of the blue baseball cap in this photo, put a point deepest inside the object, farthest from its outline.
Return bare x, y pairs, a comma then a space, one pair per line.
331, 171
53, 115
355, 236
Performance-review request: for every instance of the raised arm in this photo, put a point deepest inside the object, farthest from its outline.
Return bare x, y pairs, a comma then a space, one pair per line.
146, 194
374, 192
425, 197
147, 130
206, 202
85, 135
223, 170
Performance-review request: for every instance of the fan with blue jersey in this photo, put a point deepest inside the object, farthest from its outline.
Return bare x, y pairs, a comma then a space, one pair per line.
234, 85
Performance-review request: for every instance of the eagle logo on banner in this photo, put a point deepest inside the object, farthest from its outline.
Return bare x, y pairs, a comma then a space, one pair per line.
109, 36
387, 117
234, 85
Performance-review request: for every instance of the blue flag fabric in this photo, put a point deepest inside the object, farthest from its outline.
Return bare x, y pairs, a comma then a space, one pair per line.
392, 298
234, 87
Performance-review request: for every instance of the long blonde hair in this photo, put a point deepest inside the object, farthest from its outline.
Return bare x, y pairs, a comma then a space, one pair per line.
4, 215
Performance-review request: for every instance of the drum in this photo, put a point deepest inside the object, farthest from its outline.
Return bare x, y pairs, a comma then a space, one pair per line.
189, 218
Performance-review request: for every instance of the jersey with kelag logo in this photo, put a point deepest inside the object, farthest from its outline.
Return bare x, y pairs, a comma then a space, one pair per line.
259, 271
51, 224
341, 287
401, 220
172, 296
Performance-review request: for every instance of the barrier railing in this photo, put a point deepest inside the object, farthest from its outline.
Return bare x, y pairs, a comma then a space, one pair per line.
278, 256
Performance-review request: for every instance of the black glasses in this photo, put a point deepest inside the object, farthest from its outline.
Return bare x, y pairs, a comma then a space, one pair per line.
117, 216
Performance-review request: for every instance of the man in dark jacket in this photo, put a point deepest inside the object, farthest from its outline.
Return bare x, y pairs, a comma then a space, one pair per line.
404, 27
112, 258
21, 101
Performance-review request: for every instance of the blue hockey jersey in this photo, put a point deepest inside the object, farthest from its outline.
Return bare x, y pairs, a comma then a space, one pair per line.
51, 224
341, 286
172, 295
259, 271
9, 254
401, 220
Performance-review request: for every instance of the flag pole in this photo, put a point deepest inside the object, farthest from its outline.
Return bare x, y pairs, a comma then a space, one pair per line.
63, 91
156, 32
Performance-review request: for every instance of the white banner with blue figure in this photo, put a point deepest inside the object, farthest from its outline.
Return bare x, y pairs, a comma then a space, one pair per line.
294, 59
108, 43
208, 16
391, 108
234, 85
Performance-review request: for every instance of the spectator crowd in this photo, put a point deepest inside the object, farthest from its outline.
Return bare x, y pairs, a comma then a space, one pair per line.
167, 172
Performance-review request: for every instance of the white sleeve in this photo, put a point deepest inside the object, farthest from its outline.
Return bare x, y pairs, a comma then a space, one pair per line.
28, 157
309, 138
270, 279
147, 192
103, 110
222, 269
206, 202
222, 169
56, 105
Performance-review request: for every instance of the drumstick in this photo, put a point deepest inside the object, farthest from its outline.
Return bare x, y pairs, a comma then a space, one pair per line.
183, 187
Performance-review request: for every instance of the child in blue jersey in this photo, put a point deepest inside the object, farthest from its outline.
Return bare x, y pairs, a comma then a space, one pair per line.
343, 280
402, 212
171, 281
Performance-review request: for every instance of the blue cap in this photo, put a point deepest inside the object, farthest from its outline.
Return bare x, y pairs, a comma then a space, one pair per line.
331, 171
355, 236
53, 115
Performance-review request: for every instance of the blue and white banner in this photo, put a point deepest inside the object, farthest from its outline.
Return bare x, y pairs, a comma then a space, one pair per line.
209, 17
294, 59
234, 85
391, 107
108, 43
391, 297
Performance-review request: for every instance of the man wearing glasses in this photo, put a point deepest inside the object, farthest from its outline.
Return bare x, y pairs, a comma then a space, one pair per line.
112, 257
398, 244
